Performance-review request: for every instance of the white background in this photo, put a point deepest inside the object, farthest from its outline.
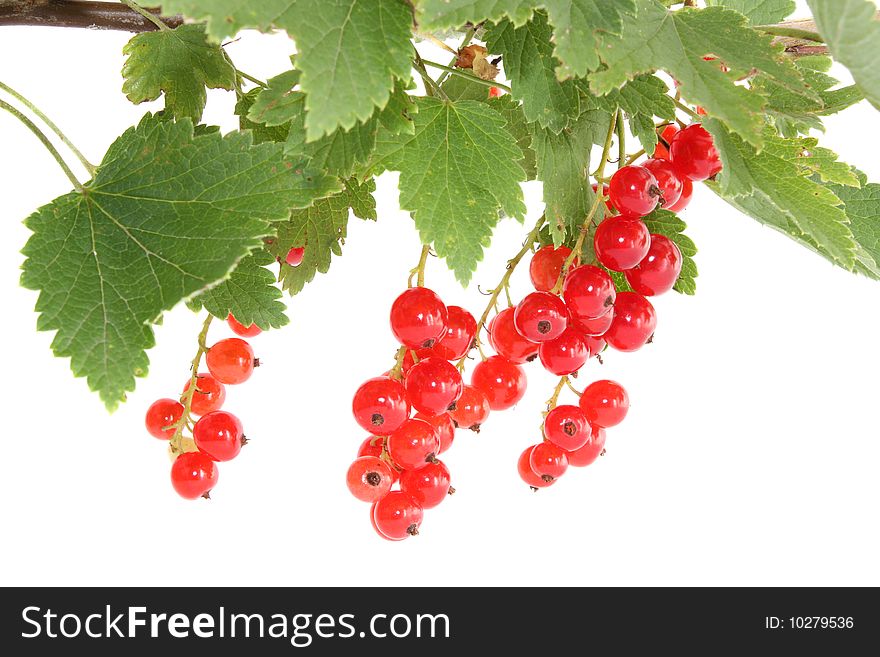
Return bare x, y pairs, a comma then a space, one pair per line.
749, 456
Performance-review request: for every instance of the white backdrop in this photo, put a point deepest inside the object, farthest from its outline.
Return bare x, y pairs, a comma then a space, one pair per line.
749, 456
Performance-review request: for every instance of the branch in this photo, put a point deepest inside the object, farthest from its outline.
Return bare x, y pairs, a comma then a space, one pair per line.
799, 37
76, 13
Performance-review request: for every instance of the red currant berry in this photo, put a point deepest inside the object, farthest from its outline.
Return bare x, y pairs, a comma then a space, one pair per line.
596, 344
444, 426
471, 409
461, 327
380, 405
546, 266
566, 426
418, 318
693, 153
589, 292
621, 242
427, 486
662, 150
659, 270
209, 395
494, 92
413, 445
669, 180
634, 322
605, 403
372, 446
566, 354
231, 361
590, 451
161, 415
540, 316
369, 478
594, 327
548, 461
295, 256
507, 341
193, 475
503, 382
687, 192
219, 435
433, 385
633, 190
437, 351
240, 329
528, 475
397, 516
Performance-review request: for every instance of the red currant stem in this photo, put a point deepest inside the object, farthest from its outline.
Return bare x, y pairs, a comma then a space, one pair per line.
431, 87
551, 403
466, 76
597, 201
464, 42
437, 42
155, 20
30, 125
632, 158
791, 32
419, 271
396, 372
687, 110
531, 238
621, 139
571, 387
187, 398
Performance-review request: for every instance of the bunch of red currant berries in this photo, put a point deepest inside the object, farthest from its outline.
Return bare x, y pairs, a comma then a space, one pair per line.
217, 435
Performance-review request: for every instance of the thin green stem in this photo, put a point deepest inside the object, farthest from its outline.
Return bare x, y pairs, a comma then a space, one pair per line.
187, 397
431, 86
45, 140
437, 42
597, 201
505, 281
621, 139
251, 78
554, 399
687, 110
464, 43
466, 76
419, 271
155, 20
792, 32
91, 168
635, 156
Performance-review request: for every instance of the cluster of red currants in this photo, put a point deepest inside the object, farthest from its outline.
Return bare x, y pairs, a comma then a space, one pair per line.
397, 469
217, 435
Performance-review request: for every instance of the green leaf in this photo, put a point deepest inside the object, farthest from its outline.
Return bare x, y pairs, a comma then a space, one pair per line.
813, 159
642, 98
663, 222
576, 28
530, 65
249, 294
759, 12
443, 14
179, 63
457, 87
321, 230
777, 191
342, 152
862, 206
261, 133
457, 171
519, 128
350, 51
563, 166
676, 42
166, 216
852, 32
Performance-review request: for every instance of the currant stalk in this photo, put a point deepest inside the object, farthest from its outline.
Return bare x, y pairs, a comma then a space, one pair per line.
176, 442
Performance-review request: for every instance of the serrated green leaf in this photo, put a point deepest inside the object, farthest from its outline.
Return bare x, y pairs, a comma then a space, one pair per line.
520, 129
862, 206
320, 229
261, 132
759, 12
777, 192
457, 171
350, 51
531, 68
812, 159
443, 14
249, 294
179, 63
852, 31
663, 222
563, 166
166, 215
642, 99
676, 42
